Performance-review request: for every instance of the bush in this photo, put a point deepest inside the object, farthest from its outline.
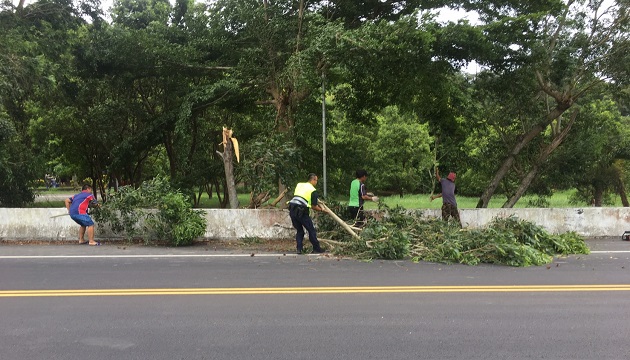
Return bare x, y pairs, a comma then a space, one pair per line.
508, 241
154, 211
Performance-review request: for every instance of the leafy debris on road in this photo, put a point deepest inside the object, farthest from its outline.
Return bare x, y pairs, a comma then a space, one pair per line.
401, 234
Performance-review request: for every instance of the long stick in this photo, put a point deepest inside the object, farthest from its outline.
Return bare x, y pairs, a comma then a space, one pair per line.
55, 216
338, 220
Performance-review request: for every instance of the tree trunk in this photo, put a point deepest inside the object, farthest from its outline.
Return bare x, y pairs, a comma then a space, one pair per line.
197, 198
507, 163
209, 190
94, 187
598, 196
621, 186
228, 164
221, 197
282, 193
170, 153
624, 196
533, 172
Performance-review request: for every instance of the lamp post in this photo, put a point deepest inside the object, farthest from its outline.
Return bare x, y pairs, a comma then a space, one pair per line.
324, 131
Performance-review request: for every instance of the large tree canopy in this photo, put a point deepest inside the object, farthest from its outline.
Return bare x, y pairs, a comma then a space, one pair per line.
146, 88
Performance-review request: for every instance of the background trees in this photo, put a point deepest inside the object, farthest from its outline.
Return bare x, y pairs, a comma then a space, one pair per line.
146, 90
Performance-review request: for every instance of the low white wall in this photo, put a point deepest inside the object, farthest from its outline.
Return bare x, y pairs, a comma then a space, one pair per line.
223, 224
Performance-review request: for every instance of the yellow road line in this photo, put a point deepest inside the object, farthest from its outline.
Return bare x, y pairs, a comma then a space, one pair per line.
314, 290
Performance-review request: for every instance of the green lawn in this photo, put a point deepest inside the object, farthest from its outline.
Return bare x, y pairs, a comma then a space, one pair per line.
559, 200
418, 201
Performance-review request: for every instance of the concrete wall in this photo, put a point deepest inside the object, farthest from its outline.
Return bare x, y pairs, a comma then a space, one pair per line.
39, 224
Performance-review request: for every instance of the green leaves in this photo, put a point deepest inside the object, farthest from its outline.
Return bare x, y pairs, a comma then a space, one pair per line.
508, 241
267, 159
401, 150
155, 212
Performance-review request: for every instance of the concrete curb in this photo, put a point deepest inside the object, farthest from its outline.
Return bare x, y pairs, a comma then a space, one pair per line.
229, 224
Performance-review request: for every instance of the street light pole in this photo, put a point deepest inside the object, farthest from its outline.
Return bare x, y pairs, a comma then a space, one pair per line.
324, 130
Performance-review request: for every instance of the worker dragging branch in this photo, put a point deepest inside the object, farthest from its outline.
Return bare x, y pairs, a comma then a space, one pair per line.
305, 198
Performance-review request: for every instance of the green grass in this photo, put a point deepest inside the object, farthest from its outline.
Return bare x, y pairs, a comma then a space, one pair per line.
47, 204
416, 201
559, 199
206, 203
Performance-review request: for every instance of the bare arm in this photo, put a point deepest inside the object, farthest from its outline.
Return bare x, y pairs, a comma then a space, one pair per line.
437, 176
367, 195
68, 202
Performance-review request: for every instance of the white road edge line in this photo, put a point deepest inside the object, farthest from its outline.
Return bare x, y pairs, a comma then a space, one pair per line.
146, 256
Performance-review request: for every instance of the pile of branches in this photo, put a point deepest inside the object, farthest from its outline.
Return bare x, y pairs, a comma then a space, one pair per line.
405, 234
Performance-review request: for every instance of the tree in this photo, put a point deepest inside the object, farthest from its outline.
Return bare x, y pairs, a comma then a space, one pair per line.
15, 173
592, 159
34, 65
401, 151
564, 49
370, 56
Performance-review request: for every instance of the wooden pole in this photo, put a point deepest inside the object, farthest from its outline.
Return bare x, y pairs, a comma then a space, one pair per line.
338, 220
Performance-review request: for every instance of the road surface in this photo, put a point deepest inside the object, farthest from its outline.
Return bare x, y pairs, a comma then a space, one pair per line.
110, 302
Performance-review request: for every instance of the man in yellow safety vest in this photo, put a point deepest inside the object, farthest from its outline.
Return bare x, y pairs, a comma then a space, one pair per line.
305, 198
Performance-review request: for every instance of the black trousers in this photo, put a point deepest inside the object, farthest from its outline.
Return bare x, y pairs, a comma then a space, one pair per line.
301, 220
356, 213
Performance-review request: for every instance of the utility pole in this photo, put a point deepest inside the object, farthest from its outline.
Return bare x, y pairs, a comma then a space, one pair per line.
324, 130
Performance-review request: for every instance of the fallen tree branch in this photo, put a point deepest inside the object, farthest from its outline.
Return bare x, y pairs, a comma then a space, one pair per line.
280, 197
328, 241
338, 220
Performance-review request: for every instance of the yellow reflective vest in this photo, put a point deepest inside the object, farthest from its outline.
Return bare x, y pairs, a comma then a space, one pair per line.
304, 190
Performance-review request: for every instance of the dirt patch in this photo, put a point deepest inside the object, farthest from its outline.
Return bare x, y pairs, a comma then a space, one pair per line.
236, 246
247, 245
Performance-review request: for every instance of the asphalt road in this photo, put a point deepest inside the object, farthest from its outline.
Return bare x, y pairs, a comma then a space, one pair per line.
79, 302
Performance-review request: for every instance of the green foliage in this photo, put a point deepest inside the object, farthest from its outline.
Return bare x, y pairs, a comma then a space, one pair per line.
590, 159
154, 211
401, 150
326, 226
147, 93
508, 241
538, 202
16, 170
267, 159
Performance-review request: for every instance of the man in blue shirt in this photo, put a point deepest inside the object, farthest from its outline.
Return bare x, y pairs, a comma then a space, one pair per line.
449, 204
77, 206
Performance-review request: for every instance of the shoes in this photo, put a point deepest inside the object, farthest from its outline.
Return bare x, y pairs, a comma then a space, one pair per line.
320, 251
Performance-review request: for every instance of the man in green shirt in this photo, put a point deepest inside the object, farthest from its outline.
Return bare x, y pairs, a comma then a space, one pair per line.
358, 195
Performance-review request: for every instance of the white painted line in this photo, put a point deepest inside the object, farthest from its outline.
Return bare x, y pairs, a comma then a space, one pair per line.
172, 256
611, 252
146, 256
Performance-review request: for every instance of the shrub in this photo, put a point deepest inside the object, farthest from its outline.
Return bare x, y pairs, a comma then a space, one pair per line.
154, 211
